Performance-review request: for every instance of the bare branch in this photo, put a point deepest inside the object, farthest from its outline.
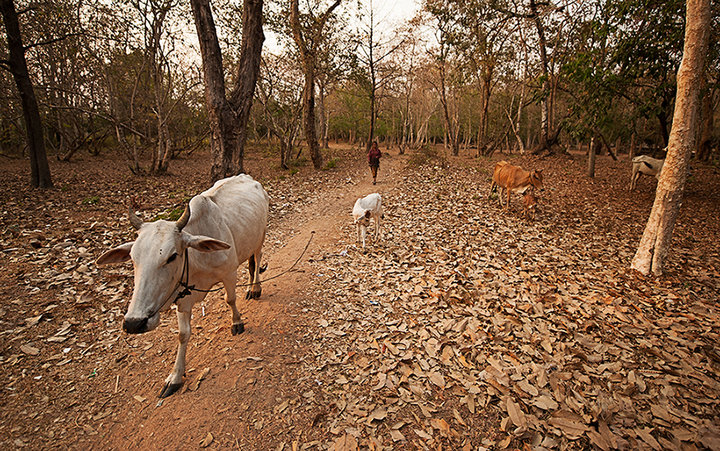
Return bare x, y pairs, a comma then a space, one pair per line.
51, 41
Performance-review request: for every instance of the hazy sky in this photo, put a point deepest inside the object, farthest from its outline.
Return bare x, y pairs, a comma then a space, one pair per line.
389, 14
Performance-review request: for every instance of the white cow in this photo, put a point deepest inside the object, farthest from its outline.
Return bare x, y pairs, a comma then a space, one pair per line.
366, 208
179, 261
645, 165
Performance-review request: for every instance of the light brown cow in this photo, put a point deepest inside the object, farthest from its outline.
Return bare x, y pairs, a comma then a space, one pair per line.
514, 179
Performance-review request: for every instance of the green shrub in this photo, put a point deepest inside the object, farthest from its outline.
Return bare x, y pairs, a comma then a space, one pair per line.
92, 200
331, 163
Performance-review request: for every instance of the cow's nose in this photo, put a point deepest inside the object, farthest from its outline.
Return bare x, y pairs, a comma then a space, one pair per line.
135, 325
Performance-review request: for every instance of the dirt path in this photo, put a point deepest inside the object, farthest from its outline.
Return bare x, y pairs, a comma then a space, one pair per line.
240, 401
465, 327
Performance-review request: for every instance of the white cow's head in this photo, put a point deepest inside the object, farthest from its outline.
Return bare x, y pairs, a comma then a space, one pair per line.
364, 219
158, 258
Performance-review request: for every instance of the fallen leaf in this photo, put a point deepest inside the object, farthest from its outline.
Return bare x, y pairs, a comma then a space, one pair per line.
207, 440
27, 349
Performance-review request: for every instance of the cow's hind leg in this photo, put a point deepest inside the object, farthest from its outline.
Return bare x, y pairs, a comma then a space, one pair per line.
230, 297
255, 269
174, 380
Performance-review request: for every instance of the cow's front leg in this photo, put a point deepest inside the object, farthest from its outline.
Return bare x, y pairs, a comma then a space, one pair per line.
174, 380
230, 298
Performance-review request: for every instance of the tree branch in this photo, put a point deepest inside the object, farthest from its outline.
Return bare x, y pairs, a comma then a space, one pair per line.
50, 41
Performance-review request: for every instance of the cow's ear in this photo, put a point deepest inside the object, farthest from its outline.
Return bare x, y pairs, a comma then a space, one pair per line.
116, 255
205, 244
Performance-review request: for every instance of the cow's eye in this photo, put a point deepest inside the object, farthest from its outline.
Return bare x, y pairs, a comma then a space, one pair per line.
172, 258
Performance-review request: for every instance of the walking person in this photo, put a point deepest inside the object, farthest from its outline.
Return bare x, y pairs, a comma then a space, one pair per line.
374, 160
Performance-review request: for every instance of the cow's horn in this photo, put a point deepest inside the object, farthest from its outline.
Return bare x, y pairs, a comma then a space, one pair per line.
134, 220
182, 222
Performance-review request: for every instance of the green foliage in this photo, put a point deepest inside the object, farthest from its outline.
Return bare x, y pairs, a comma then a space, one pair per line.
171, 214
331, 163
92, 200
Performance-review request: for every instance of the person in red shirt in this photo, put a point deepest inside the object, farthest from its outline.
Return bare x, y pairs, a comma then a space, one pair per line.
374, 160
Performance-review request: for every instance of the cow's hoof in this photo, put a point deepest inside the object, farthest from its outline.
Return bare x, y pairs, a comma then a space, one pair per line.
253, 294
169, 389
237, 329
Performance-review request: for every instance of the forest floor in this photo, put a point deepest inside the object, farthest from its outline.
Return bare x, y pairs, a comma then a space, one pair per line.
463, 327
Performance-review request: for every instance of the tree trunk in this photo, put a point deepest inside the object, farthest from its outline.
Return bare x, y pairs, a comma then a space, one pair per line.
704, 145
656, 239
247, 74
633, 145
228, 119
591, 158
324, 118
307, 46
309, 118
220, 115
39, 168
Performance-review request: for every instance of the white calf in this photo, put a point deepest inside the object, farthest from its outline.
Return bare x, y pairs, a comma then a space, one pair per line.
645, 165
369, 207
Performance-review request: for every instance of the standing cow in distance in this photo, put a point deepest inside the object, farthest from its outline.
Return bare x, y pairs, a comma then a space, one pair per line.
514, 179
178, 262
643, 164
366, 208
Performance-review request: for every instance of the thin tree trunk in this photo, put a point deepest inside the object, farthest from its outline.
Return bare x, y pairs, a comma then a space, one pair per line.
39, 168
591, 158
656, 239
706, 125
307, 45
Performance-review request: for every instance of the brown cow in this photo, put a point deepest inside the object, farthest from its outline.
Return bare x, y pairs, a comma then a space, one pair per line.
514, 179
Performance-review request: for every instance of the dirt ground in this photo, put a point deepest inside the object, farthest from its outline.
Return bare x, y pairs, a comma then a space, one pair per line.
463, 327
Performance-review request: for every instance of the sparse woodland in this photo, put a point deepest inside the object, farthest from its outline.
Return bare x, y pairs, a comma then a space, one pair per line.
595, 325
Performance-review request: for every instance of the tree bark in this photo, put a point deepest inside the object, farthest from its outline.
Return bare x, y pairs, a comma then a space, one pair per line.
247, 74
39, 168
228, 118
307, 46
656, 239
591, 158
704, 145
545, 142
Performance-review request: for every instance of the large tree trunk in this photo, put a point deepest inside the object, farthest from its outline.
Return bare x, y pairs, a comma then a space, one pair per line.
247, 74
39, 168
222, 139
656, 239
228, 119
